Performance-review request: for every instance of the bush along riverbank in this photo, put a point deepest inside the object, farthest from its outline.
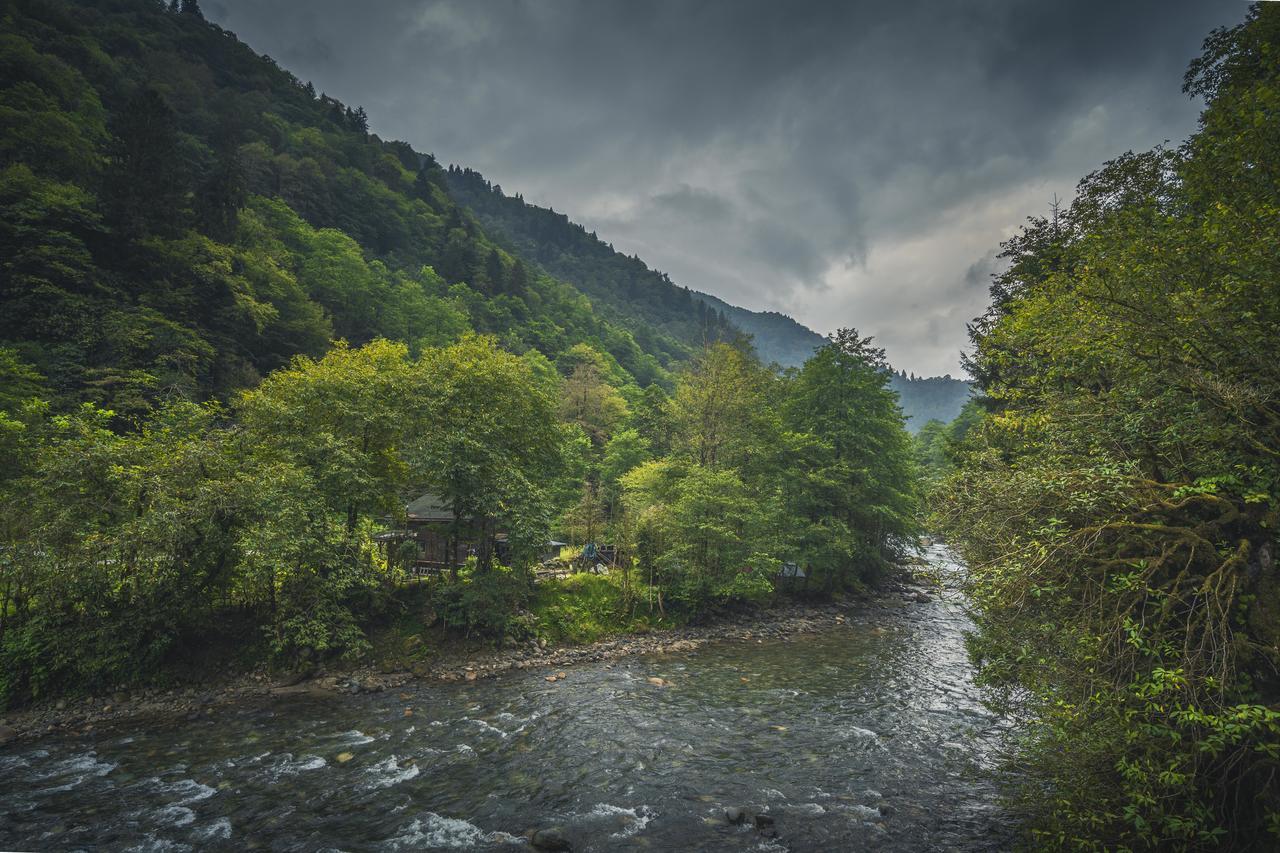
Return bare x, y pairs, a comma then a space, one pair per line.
452, 661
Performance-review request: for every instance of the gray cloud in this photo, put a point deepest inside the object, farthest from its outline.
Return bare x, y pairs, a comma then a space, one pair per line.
844, 162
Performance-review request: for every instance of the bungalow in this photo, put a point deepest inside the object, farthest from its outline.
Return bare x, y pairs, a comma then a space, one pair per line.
431, 538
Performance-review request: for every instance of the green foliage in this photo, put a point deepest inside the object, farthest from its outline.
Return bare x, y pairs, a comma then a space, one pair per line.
926, 398
488, 442
488, 603
813, 468
1118, 503
582, 608
193, 230
859, 472
238, 332
938, 447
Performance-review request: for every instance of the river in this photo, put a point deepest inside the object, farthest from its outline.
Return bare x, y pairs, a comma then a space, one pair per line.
868, 737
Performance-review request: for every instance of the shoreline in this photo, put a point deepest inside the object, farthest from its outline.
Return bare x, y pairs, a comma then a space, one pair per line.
86, 716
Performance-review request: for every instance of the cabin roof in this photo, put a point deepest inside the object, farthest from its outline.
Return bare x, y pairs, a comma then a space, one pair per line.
791, 570
428, 507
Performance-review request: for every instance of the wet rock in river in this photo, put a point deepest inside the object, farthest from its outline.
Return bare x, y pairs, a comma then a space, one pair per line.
7, 733
735, 815
552, 838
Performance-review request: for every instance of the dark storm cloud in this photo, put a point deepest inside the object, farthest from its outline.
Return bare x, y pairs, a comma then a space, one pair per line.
848, 163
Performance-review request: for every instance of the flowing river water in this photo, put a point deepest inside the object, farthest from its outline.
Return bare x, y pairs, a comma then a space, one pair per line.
867, 737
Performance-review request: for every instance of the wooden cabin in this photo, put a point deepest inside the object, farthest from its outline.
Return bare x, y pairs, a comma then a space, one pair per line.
791, 575
434, 539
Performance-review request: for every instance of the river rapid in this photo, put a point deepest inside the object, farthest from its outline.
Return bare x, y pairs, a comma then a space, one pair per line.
867, 737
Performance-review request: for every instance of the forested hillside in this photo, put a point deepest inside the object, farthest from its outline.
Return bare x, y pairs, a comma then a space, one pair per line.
931, 398
239, 333
621, 287
777, 338
641, 299
181, 216
1118, 503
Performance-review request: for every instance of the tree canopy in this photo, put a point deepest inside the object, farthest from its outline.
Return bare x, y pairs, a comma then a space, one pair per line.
1118, 502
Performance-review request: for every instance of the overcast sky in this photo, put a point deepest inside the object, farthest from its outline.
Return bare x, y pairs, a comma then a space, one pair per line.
847, 163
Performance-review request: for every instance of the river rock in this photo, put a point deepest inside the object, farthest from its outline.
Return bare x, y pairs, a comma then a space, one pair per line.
7, 734
552, 838
735, 815
921, 598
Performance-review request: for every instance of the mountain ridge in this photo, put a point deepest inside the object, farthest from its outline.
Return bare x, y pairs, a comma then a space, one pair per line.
622, 286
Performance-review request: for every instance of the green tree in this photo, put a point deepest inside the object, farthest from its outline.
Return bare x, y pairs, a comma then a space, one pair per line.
346, 419
148, 181
1118, 505
490, 441
863, 472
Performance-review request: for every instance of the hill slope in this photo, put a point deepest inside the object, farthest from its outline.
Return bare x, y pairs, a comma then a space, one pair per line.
179, 216
628, 292
621, 287
777, 338
933, 398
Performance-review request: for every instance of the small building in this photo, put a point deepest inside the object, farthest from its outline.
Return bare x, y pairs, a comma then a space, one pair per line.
791, 575
432, 540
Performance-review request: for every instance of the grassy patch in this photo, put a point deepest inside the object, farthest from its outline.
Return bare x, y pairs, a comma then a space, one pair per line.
583, 608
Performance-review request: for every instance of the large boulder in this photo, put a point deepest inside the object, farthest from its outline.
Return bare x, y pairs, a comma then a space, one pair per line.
551, 838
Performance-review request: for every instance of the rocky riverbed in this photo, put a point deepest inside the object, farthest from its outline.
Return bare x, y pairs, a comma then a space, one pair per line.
87, 715
833, 728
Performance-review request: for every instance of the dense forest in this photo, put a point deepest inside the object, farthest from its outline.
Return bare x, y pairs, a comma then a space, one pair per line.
239, 332
1117, 495
182, 216
926, 400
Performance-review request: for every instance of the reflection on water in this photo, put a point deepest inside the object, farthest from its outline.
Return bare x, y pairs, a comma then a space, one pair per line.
870, 737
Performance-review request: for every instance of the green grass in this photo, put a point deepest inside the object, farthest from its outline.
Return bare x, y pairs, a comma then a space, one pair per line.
583, 608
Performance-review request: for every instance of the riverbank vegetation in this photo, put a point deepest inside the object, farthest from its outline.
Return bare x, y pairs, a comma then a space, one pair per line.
128, 546
239, 333
1117, 504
